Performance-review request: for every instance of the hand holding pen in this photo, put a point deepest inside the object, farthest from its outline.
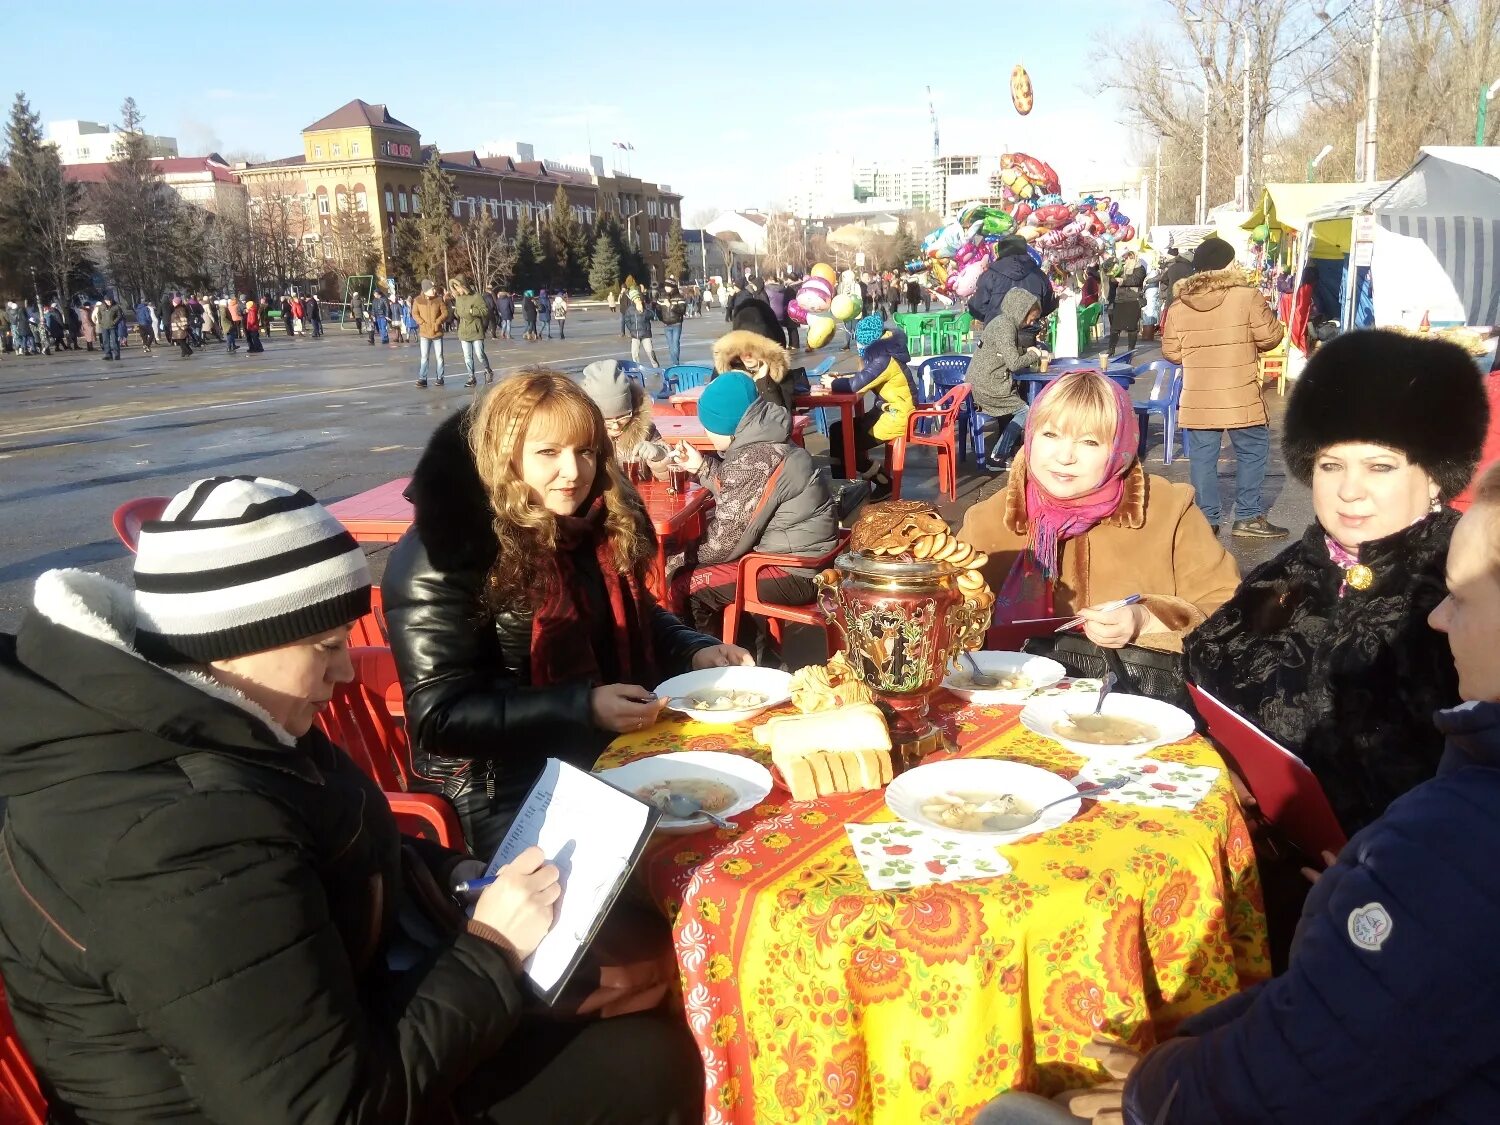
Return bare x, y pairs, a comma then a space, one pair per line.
1112, 625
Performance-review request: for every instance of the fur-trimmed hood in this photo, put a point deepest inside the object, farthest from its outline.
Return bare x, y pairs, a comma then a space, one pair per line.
451, 509
1207, 290
752, 353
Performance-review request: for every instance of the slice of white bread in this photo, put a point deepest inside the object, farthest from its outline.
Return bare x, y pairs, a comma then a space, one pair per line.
798, 776
859, 726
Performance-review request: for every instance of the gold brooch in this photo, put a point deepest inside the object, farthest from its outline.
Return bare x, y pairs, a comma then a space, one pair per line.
1359, 576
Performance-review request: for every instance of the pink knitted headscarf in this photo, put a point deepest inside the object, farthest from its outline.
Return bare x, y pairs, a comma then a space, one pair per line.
1050, 520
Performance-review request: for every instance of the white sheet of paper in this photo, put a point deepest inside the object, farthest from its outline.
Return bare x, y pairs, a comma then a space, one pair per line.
590, 830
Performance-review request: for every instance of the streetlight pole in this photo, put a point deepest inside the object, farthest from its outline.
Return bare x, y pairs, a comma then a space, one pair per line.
1245, 132
1486, 95
1203, 160
1372, 110
1312, 165
1156, 192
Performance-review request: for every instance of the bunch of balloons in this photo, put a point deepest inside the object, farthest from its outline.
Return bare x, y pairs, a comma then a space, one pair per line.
818, 306
1066, 235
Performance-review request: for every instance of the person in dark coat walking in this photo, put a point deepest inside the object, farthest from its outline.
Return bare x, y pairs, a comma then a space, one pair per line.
531, 642
1326, 647
207, 912
1012, 267
1130, 295
1386, 1010
1177, 267
505, 312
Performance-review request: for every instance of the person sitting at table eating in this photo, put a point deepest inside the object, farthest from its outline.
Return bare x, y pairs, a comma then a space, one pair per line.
1385, 1010
207, 911
517, 605
627, 415
1080, 523
991, 375
1326, 647
885, 375
770, 498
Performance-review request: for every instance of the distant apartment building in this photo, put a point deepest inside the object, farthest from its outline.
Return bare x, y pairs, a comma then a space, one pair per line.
944, 185
89, 142
361, 158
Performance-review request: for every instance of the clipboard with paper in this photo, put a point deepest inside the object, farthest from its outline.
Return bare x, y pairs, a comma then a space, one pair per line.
595, 834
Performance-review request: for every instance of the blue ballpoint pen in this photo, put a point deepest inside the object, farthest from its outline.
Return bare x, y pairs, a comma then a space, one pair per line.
474, 886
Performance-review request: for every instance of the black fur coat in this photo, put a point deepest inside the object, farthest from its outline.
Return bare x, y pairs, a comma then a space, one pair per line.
1350, 684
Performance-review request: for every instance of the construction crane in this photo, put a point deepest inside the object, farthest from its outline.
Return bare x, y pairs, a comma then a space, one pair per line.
932, 113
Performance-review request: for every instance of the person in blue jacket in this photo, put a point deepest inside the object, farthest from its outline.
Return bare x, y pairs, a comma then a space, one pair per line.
1013, 267
887, 376
1386, 1010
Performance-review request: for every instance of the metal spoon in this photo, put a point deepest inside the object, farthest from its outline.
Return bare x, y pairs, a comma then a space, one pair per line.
1083, 794
1104, 689
684, 807
977, 677
1082, 722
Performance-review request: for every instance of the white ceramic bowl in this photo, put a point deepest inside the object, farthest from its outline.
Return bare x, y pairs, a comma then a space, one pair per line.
1041, 671
774, 685
1172, 723
1035, 786
750, 781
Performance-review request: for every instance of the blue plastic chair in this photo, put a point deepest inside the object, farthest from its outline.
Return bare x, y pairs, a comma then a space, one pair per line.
1125, 359
685, 376
939, 374
1073, 364
1166, 393
639, 372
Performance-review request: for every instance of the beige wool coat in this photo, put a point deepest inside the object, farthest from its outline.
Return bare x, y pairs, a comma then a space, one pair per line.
1157, 543
1216, 328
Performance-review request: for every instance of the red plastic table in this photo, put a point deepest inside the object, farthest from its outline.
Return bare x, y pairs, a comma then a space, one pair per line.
847, 404
687, 428
382, 515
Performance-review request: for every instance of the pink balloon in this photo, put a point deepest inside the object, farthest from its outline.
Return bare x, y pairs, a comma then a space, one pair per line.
796, 313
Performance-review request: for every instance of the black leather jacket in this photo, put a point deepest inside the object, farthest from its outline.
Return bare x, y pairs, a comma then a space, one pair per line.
477, 725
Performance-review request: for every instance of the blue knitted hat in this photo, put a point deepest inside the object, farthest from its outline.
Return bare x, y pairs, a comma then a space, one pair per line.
724, 402
868, 329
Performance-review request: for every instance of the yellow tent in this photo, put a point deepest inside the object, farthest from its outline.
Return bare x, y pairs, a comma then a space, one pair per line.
1286, 206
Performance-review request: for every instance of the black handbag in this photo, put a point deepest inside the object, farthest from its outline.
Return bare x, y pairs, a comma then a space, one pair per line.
1138, 671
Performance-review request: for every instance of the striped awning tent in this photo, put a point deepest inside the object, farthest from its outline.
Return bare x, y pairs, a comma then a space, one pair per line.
1450, 201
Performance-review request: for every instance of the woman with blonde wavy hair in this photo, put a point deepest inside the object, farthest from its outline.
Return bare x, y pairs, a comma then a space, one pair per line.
517, 604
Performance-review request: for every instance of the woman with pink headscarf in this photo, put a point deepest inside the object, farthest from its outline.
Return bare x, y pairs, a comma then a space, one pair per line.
1080, 524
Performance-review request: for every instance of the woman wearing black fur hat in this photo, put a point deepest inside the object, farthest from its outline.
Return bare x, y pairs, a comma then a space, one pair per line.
1326, 647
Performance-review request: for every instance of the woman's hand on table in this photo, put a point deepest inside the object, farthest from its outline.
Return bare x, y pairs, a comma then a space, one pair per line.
1115, 628
623, 708
522, 902
723, 656
827, 381
1103, 1104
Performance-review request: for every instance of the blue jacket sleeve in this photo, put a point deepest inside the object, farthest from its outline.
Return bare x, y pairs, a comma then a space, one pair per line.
1387, 1006
875, 364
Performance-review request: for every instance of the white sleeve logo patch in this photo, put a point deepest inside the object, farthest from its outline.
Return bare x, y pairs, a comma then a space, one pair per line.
1369, 926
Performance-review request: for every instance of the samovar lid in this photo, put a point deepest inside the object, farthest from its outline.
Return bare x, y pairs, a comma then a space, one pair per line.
879, 566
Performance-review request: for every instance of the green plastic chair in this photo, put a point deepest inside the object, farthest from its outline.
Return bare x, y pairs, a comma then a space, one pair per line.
1088, 320
921, 332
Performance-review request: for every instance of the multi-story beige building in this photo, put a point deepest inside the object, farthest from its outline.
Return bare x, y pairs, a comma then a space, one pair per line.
361, 158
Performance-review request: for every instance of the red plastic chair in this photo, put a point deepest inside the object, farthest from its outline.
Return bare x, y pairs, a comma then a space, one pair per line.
130, 515
21, 1098
747, 591
428, 817
944, 439
1285, 789
369, 630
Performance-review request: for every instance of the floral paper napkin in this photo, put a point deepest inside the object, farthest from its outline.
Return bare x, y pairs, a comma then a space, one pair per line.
1068, 685
896, 855
1152, 784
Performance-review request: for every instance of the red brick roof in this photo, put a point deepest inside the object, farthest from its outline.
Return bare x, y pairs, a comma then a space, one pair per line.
99, 172
358, 114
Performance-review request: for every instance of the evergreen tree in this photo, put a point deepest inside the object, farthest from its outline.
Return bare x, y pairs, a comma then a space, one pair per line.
604, 268
676, 253
145, 228
580, 256
905, 247
38, 209
527, 271
406, 252
561, 239
435, 224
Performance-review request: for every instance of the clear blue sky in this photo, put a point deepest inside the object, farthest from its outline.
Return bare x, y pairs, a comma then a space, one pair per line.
718, 99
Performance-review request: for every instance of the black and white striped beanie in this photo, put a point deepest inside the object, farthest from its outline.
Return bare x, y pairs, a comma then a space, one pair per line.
238, 565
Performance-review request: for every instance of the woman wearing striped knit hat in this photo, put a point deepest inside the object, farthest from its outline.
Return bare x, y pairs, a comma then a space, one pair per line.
203, 902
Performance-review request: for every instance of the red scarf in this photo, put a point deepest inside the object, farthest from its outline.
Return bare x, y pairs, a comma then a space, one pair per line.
563, 626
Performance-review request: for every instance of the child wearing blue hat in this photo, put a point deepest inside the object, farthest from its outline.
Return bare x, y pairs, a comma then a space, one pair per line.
886, 375
771, 498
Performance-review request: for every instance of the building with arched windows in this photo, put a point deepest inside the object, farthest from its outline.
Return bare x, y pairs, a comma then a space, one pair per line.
361, 165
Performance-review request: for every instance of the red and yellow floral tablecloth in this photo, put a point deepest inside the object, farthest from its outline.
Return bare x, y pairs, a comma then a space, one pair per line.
815, 999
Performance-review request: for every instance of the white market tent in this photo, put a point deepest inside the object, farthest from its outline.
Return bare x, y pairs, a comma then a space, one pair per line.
1436, 238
